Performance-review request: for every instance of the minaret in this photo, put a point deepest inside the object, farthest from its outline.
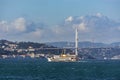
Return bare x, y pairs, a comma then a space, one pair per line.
76, 41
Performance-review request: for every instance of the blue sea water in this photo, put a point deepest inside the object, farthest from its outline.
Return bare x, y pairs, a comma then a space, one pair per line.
35, 69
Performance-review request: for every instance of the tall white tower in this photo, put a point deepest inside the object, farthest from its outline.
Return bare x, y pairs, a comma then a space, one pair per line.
76, 41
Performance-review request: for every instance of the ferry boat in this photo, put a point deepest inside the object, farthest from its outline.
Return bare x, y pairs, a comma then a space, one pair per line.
62, 58
66, 57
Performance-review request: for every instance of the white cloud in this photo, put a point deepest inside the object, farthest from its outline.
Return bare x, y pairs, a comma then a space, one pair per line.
19, 24
97, 26
16, 26
58, 30
37, 33
69, 19
3, 26
21, 29
33, 35
81, 27
99, 15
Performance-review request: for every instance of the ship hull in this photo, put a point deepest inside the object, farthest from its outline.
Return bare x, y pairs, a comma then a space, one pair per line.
59, 58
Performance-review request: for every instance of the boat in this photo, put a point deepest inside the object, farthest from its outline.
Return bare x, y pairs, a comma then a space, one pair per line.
66, 57
62, 58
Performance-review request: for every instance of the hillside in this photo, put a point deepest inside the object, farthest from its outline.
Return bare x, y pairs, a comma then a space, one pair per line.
85, 44
87, 50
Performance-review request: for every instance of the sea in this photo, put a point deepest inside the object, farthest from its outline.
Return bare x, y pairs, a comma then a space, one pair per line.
37, 69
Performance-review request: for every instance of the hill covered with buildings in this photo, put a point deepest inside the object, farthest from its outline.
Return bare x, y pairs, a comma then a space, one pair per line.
9, 49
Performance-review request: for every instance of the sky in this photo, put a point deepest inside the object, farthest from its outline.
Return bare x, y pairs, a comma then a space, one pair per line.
54, 20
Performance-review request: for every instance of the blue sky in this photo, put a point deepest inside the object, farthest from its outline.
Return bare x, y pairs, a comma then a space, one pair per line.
51, 13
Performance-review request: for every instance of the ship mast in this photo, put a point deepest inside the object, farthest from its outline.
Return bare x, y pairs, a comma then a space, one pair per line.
76, 41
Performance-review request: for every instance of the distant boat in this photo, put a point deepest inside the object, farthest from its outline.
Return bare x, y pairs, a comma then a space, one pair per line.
66, 57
